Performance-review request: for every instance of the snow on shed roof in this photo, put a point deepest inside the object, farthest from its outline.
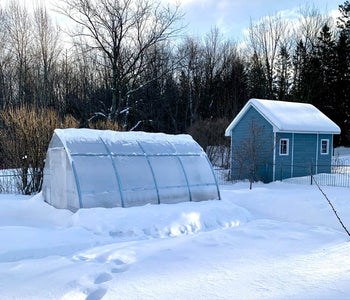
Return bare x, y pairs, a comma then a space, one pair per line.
289, 117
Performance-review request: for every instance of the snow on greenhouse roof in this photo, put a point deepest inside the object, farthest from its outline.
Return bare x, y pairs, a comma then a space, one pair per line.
74, 134
152, 143
289, 117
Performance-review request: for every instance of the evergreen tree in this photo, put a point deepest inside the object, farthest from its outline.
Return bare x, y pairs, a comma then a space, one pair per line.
342, 87
283, 74
257, 81
344, 19
236, 85
325, 55
300, 84
342, 67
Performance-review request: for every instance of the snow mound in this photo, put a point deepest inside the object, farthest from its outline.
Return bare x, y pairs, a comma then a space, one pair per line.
164, 220
18, 210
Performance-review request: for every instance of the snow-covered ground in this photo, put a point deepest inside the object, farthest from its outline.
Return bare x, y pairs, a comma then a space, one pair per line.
342, 155
277, 241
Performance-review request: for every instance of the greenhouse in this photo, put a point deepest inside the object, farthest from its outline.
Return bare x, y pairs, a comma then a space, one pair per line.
102, 168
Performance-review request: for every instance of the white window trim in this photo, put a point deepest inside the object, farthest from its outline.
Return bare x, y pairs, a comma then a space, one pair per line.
284, 154
324, 153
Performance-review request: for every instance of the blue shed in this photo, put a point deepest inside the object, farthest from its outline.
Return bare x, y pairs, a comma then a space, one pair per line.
273, 140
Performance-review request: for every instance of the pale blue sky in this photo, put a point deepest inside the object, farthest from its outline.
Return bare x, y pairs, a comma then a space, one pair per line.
233, 16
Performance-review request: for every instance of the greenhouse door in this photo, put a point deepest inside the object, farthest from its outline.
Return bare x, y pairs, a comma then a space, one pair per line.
58, 183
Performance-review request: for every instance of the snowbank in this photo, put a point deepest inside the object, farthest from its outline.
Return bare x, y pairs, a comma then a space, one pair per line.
20, 210
161, 220
292, 203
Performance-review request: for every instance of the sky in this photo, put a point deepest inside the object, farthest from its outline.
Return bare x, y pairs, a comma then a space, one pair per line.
233, 17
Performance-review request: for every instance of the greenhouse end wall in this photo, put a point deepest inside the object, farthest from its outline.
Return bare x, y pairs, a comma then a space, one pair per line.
102, 168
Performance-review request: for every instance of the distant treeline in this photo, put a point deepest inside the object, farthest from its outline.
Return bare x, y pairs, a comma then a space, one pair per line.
128, 61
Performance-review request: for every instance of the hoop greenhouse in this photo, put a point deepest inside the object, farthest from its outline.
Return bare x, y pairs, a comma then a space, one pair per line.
101, 168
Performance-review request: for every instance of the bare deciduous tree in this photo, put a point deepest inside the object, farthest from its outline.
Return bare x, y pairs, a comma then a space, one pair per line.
19, 27
216, 54
48, 50
5, 60
265, 38
192, 75
122, 31
310, 23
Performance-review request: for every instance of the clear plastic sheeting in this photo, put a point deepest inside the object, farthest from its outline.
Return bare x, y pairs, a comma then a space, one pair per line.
102, 168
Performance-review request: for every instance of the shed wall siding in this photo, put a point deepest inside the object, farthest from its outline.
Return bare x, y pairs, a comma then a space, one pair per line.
283, 163
305, 147
241, 134
325, 160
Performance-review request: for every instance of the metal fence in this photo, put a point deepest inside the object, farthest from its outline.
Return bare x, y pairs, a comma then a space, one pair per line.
222, 176
12, 181
337, 174
9, 183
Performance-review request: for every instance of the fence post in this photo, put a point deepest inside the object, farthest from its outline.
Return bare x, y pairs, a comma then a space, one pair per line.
281, 166
311, 175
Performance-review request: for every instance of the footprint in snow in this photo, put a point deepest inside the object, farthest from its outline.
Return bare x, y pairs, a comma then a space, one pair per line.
103, 277
120, 266
80, 258
118, 262
96, 294
119, 270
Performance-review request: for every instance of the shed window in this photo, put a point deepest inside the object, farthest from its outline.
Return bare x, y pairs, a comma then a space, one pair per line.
284, 146
324, 146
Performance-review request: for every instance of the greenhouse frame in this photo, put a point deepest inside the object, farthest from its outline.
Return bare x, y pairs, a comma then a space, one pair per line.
87, 168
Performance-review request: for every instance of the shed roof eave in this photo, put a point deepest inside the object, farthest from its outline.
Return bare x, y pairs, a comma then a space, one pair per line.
307, 131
